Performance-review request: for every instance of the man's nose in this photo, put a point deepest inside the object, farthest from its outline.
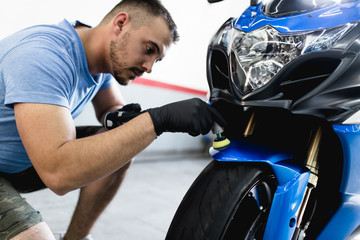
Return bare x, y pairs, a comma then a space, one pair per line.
148, 66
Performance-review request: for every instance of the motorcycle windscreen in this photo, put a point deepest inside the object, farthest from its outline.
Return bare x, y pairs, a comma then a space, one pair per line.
282, 8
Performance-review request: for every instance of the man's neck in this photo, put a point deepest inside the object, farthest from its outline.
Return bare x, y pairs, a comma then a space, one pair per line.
94, 46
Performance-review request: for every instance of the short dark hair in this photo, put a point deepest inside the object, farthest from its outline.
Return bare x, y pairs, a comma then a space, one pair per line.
136, 10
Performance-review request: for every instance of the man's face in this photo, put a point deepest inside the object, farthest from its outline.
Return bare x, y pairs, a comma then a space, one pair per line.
135, 51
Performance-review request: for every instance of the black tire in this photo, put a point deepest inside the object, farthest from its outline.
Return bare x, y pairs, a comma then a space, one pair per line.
226, 201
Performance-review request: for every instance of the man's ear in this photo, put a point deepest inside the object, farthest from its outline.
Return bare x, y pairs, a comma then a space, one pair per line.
119, 21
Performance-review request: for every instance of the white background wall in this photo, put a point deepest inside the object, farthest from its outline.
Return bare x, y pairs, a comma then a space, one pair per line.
184, 64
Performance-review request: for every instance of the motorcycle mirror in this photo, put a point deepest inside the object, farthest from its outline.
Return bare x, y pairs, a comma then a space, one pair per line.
255, 2
214, 1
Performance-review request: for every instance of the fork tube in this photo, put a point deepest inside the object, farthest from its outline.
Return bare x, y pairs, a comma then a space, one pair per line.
251, 125
312, 164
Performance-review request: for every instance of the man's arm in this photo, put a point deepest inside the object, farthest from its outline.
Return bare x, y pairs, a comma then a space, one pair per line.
65, 163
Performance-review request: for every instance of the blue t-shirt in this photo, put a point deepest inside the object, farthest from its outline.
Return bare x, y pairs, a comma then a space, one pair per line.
41, 64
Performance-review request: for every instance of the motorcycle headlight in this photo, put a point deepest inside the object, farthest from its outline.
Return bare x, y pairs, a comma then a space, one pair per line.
256, 57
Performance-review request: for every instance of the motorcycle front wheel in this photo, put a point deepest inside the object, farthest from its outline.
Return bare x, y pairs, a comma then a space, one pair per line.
226, 201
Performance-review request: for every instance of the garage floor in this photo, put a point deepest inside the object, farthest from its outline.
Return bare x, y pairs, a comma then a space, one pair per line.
144, 206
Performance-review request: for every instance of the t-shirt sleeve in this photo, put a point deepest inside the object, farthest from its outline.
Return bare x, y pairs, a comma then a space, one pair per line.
35, 73
108, 81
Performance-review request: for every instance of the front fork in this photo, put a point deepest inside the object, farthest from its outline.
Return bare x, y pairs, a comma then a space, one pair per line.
294, 182
312, 164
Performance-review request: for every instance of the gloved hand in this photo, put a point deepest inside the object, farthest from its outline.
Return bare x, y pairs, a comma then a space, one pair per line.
193, 116
122, 115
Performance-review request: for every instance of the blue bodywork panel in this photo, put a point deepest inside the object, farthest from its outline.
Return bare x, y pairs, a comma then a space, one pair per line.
332, 16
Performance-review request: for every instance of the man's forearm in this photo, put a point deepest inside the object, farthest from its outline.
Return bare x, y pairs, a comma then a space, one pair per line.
94, 157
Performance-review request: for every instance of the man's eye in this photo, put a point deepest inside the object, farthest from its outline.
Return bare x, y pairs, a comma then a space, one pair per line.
149, 50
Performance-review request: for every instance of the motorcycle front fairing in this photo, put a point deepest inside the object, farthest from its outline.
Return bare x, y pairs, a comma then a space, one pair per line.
306, 63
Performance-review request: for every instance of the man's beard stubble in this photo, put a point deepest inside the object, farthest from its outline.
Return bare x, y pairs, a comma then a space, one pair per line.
117, 48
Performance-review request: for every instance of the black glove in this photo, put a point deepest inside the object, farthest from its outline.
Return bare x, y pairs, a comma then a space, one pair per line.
193, 116
122, 115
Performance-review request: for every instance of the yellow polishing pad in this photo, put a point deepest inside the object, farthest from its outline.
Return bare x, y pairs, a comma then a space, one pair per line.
220, 143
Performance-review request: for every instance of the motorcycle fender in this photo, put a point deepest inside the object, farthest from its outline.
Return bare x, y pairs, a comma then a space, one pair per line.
243, 151
292, 181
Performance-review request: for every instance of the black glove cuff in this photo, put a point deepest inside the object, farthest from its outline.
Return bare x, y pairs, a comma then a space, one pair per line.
154, 114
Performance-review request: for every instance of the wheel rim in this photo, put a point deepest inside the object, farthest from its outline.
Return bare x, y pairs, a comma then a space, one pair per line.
250, 215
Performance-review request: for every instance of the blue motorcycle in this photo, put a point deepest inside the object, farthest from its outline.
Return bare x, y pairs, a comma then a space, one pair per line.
286, 77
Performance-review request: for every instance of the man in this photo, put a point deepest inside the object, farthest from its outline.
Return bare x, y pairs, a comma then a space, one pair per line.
47, 75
